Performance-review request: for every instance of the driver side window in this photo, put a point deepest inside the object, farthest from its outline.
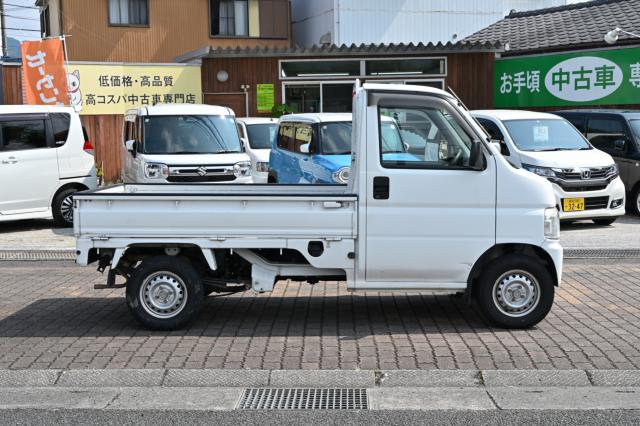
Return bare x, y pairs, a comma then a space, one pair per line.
429, 138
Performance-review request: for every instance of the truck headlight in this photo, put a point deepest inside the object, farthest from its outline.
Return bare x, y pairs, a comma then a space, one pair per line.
551, 223
540, 171
242, 169
156, 171
262, 167
342, 175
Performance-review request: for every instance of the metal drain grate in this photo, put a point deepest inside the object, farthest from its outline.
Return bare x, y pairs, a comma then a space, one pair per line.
33, 255
601, 253
303, 399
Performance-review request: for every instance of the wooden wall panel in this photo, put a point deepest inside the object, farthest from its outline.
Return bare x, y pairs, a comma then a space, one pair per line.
12, 84
105, 131
470, 75
175, 27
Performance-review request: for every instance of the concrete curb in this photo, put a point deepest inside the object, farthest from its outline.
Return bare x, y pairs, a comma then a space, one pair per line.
176, 378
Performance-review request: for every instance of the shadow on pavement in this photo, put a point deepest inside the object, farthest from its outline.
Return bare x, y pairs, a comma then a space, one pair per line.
28, 225
350, 317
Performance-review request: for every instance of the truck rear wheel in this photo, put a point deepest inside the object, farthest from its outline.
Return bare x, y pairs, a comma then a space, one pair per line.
515, 291
164, 292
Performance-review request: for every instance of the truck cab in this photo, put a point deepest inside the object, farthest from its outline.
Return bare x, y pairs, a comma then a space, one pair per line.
454, 218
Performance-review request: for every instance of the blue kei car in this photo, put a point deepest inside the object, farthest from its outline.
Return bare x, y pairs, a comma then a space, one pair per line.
316, 148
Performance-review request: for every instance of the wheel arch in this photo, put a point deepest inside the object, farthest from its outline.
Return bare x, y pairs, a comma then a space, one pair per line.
499, 250
70, 185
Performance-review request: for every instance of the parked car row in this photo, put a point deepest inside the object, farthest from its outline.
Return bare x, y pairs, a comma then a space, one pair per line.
592, 158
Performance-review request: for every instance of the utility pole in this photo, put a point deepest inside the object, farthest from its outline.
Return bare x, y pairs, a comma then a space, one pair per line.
4, 32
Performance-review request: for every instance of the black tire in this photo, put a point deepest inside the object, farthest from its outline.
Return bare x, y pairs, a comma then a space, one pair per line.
174, 281
511, 270
62, 216
604, 222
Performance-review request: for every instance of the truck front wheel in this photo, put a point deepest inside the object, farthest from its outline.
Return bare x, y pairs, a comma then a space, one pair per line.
515, 291
164, 292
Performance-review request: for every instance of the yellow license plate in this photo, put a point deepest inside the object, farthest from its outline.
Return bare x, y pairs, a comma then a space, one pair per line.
573, 204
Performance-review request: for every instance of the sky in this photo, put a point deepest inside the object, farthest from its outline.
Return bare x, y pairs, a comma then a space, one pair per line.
24, 17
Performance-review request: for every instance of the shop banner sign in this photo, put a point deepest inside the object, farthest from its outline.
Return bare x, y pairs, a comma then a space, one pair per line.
265, 97
114, 88
43, 72
604, 77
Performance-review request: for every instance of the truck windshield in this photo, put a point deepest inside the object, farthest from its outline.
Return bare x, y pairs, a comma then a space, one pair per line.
336, 138
545, 135
261, 135
191, 134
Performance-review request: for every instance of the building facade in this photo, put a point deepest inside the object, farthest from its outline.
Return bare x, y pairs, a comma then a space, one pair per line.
160, 30
410, 21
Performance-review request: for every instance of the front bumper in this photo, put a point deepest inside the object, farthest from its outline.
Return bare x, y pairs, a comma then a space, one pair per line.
554, 249
597, 203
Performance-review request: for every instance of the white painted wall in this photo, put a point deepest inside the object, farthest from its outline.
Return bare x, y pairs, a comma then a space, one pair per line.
400, 21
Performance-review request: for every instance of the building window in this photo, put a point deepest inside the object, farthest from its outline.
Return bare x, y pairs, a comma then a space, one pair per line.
391, 67
324, 69
128, 12
229, 18
395, 68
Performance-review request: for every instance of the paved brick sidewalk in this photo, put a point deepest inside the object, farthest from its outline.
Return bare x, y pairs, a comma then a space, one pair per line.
50, 317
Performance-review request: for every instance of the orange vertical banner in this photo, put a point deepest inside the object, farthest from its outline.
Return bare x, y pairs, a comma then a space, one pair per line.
43, 70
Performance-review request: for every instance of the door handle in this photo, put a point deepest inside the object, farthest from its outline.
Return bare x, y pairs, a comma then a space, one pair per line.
332, 204
11, 160
380, 188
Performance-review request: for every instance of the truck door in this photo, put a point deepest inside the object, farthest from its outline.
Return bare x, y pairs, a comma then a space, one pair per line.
430, 217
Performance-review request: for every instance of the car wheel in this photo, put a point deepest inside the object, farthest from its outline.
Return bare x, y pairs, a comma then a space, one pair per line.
62, 207
604, 222
515, 291
164, 293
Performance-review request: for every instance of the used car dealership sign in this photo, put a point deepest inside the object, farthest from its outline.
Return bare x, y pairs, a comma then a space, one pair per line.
605, 77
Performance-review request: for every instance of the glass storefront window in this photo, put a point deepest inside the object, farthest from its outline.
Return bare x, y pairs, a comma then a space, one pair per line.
313, 69
390, 67
303, 98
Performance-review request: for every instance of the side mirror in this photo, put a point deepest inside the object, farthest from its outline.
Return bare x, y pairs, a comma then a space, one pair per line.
131, 146
501, 145
476, 158
406, 146
305, 148
620, 145
244, 144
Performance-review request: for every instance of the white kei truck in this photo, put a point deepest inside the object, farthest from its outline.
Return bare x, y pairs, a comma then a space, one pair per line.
458, 219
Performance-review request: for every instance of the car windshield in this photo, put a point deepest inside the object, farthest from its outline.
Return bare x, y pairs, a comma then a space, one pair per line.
191, 134
545, 135
261, 135
635, 126
336, 138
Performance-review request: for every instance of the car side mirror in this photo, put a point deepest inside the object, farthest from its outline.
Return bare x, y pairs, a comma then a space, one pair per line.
476, 158
305, 148
502, 146
406, 146
620, 145
131, 146
244, 144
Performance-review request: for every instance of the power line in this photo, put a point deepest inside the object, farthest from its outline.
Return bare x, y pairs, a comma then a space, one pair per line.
19, 17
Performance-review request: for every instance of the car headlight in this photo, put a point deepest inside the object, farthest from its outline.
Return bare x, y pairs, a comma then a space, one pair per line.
242, 169
551, 223
156, 171
613, 171
262, 167
540, 171
342, 175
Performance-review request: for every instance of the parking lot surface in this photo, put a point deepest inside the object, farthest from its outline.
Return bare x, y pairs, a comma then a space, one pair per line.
50, 317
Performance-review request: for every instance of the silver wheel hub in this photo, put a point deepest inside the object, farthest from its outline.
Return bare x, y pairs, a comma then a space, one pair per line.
516, 293
66, 209
163, 294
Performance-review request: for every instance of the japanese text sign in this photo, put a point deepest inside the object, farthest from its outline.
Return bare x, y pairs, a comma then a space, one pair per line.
114, 88
604, 77
265, 97
45, 79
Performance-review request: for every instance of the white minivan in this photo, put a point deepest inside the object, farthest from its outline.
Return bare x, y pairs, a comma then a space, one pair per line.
586, 180
183, 144
45, 158
257, 134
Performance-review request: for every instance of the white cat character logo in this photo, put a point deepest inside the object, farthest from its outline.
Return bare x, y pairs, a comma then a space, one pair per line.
75, 96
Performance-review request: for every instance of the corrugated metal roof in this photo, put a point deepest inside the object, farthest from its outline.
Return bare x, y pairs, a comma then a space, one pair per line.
344, 50
581, 25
